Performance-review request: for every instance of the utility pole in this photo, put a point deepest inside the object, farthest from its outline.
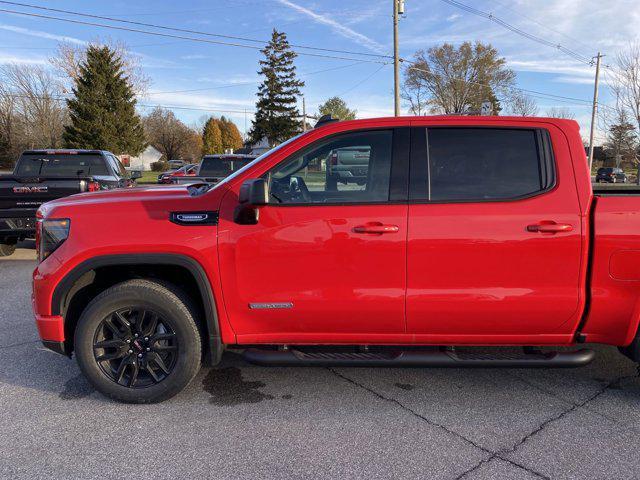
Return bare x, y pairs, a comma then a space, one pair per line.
304, 115
398, 9
594, 110
245, 124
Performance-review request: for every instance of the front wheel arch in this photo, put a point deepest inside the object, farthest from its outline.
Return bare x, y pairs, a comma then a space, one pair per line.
90, 278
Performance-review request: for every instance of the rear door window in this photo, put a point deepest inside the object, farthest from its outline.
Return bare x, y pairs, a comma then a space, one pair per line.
483, 164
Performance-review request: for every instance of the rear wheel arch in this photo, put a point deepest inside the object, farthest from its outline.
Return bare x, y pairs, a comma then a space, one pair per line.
91, 277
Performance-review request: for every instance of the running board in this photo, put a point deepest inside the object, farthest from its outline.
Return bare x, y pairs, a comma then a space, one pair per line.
418, 358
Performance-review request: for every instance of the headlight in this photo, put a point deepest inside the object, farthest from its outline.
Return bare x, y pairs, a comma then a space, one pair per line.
50, 234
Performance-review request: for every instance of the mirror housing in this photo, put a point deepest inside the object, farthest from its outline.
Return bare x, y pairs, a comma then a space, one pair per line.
136, 174
253, 193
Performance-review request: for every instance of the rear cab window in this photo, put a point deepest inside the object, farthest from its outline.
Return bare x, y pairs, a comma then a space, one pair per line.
467, 164
61, 165
222, 166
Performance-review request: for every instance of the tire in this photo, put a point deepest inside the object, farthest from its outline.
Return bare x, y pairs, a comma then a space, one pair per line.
145, 362
7, 249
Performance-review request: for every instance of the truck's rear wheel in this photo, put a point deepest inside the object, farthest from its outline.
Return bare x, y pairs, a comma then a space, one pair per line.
137, 342
7, 249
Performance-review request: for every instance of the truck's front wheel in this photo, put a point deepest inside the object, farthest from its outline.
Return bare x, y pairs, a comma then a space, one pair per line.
137, 342
7, 249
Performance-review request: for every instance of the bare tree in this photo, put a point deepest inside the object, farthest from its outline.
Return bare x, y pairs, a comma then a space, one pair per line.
415, 93
625, 82
522, 105
32, 113
457, 79
170, 136
70, 56
560, 112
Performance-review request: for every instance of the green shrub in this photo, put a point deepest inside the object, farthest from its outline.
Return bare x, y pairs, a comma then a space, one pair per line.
160, 166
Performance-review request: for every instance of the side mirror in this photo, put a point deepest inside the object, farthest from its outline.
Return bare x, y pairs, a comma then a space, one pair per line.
253, 193
136, 174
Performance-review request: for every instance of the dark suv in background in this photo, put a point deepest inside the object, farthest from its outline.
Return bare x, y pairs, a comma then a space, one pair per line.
611, 175
44, 175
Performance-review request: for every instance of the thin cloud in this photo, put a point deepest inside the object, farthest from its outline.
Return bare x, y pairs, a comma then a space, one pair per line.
41, 34
22, 60
337, 27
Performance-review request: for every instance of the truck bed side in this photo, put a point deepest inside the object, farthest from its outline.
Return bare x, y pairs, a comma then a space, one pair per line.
614, 308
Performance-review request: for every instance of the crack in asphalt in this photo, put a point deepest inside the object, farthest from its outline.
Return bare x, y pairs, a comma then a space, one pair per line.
491, 453
411, 411
574, 406
571, 409
500, 454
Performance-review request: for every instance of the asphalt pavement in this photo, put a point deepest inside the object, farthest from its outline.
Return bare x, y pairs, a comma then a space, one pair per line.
244, 421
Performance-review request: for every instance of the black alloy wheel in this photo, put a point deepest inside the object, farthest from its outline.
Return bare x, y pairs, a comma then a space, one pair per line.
135, 347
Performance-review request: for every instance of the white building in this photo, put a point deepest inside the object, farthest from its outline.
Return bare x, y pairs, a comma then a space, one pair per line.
143, 161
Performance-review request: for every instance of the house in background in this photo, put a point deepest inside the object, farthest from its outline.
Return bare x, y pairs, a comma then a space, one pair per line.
143, 161
254, 148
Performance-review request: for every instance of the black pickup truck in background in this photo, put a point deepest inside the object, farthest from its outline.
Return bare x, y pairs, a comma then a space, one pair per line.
43, 175
214, 168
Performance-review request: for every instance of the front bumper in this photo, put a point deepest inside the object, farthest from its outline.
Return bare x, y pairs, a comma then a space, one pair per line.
15, 228
51, 331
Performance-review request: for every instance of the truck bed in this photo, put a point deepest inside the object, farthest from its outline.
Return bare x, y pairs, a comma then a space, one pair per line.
616, 189
613, 310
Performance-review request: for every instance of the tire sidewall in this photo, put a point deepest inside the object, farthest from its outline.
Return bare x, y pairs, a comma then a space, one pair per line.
189, 351
7, 249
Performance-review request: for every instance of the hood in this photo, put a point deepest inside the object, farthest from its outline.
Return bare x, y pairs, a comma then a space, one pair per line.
124, 198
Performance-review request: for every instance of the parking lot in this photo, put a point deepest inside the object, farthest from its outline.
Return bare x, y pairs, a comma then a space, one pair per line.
243, 421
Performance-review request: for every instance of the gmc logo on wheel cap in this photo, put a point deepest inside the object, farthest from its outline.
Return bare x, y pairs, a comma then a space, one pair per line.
30, 189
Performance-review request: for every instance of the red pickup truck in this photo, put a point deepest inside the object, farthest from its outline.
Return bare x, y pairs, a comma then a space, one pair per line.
468, 231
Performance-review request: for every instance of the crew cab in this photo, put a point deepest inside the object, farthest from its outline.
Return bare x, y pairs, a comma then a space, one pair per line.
213, 168
43, 175
468, 232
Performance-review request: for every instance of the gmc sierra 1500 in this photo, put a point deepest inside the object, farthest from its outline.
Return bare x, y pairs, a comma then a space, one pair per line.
465, 231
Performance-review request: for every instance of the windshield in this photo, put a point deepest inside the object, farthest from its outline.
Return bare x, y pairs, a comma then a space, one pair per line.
257, 160
60, 165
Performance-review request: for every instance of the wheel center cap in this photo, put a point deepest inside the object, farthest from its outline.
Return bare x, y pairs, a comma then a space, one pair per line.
136, 343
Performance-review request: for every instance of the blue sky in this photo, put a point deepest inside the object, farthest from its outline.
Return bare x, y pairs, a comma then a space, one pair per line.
223, 76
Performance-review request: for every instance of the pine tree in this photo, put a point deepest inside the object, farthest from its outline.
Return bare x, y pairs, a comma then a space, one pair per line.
231, 138
102, 110
622, 139
212, 137
276, 110
337, 108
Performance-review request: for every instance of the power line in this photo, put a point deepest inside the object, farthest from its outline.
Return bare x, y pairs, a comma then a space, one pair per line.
181, 37
239, 84
363, 80
183, 30
145, 105
533, 93
518, 31
547, 27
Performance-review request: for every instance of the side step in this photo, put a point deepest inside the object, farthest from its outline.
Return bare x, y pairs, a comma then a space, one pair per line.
418, 358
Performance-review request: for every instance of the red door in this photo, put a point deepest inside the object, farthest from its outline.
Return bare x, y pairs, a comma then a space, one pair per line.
326, 262
495, 241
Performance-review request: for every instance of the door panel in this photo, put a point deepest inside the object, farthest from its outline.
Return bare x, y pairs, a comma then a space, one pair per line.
337, 281
475, 268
